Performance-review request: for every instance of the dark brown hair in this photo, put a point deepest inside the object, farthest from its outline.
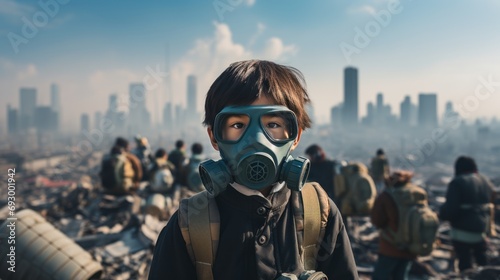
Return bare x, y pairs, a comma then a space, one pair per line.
316, 153
465, 165
244, 81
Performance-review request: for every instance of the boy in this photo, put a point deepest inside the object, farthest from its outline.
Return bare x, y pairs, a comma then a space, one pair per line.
254, 113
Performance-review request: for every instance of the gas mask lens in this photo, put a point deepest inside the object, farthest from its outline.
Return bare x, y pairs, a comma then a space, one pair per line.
232, 126
278, 126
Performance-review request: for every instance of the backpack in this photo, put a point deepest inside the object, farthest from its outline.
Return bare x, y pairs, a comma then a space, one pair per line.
355, 189
162, 178
200, 226
417, 225
116, 174
145, 157
193, 178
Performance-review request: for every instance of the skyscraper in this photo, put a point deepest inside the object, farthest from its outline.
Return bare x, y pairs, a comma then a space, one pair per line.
427, 110
44, 119
27, 108
350, 107
55, 104
98, 120
370, 114
84, 123
168, 116
12, 120
405, 111
380, 102
191, 94
336, 115
191, 110
139, 117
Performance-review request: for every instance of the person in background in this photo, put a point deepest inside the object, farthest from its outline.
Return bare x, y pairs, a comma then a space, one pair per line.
379, 170
162, 170
468, 208
392, 262
136, 163
143, 152
322, 169
178, 158
191, 176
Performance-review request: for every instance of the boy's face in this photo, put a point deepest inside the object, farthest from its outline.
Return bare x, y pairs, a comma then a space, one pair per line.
235, 126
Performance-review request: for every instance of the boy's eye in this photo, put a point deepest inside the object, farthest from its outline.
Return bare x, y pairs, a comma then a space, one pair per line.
237, 125
273, 125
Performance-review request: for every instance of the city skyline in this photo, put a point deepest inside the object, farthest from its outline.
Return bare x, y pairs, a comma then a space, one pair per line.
397, 53
131, 116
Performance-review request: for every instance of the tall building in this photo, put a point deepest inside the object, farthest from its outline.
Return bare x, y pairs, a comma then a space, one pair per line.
405, 111
168, 116
336, 115
179, 116
380, 102
191, 94
12, 120
370, 114
84, 123
449, 114
113, 116
350, 107
192, 116
427, 110
139, 117
27, 108
55, 104
44, 119
98, 120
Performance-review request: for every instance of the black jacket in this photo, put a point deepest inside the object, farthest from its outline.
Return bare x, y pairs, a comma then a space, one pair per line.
470, 189
241, 254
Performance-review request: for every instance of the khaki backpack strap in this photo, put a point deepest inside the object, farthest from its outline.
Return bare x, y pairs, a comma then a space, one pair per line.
201, 232
312, 225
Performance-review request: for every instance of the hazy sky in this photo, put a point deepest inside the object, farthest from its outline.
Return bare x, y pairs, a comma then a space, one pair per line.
95, 48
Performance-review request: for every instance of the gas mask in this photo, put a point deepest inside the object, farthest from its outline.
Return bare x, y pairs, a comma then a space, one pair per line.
255, 144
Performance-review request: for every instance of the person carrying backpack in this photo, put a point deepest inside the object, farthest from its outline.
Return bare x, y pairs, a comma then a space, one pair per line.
134, 161
379, 170
322, 169
116, 173
192, 177
257, 219
469, 209
355, 190
162, 174
399, 208
143, 152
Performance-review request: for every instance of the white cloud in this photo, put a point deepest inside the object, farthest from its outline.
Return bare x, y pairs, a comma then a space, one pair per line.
207, 59
210, 56
250, 3
276, 50
29, 72
363, 10
260, 29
